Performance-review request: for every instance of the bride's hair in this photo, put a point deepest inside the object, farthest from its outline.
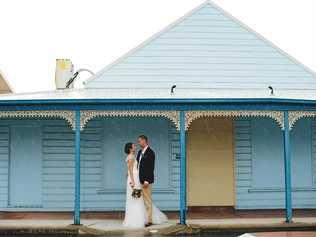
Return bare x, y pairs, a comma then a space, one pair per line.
128, 147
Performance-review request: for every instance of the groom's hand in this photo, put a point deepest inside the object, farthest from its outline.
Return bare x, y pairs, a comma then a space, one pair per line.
145, 185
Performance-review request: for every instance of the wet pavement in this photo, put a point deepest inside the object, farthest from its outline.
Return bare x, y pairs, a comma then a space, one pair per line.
114, 224
227, 234
153, 234
232, 234
282, 234
228, 227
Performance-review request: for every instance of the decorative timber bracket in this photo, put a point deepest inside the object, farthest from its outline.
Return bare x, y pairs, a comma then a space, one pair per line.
294, 116
87, 115
173, 116
67, 115
190, 116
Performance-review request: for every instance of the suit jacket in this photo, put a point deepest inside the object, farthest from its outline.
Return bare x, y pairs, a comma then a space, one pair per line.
146, 166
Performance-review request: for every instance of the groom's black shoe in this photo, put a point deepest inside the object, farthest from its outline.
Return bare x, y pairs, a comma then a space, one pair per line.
148, 224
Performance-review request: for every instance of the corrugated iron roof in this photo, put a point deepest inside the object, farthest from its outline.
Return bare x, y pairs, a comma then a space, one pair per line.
162, 93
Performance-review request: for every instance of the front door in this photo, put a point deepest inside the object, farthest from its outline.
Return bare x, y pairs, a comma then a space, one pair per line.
25, 166
210, 162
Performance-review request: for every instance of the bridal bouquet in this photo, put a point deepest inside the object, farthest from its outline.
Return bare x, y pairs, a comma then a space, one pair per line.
137, 193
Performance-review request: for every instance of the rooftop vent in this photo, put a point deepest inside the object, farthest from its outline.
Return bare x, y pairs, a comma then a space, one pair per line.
65, 75
64, 72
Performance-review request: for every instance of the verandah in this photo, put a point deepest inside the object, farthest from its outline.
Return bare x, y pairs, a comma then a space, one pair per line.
182, 118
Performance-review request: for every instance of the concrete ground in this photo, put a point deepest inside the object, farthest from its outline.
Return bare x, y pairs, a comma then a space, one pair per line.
105, 225
96, 224
251, 221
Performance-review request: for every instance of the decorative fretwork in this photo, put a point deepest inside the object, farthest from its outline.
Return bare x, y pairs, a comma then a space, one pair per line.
190, 116
173, 116
69, 116
87, 115
294, 116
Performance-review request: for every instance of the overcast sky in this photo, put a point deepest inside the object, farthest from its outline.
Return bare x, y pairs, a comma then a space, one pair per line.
93, 33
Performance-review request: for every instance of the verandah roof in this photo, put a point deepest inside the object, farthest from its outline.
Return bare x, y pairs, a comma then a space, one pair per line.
219, 93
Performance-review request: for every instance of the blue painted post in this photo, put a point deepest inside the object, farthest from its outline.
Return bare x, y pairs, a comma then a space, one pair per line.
182, 169
77, 170
287, 168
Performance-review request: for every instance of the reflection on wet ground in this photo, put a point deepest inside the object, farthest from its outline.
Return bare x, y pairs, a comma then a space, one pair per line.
143, 233
223, 234
157, 235
138, 234
203, 234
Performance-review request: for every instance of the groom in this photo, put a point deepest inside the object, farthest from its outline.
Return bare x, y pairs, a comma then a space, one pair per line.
146, 166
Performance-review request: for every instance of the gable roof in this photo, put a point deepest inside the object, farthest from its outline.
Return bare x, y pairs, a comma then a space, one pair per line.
4, 85
206, 48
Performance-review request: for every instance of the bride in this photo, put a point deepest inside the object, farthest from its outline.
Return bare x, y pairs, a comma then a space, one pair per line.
135, 210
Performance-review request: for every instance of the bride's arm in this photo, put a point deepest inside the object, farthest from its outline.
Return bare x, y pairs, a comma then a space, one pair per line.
130, 165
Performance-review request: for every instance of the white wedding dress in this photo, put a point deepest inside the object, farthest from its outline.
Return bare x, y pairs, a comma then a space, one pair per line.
135, 210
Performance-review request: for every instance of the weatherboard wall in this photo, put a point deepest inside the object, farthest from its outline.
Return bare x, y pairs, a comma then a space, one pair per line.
259, 168
259, 175
103, 169
4, 165
205, 49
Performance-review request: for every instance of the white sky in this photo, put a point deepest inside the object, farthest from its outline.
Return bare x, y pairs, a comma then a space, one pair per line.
93, 33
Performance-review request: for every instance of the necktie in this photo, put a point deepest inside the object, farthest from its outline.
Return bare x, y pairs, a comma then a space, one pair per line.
140, 158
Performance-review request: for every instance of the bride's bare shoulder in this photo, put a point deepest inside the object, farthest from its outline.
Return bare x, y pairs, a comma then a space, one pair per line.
130, 157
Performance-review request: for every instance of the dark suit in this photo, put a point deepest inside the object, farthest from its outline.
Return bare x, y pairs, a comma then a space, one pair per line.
146, 166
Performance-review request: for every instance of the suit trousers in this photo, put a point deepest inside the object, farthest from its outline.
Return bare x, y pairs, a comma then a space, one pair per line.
148, 202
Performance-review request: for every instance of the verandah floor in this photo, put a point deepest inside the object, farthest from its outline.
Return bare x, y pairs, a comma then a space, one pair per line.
210, 219
193, 213
107, 226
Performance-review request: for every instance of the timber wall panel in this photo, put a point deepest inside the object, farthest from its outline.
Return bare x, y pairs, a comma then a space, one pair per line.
58, 170
247, 194
4, 165
58, 165
207, 49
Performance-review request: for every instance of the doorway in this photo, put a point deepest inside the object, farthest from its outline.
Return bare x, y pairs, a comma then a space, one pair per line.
210, 162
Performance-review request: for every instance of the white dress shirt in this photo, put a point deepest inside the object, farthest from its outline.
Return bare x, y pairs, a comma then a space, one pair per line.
142, 154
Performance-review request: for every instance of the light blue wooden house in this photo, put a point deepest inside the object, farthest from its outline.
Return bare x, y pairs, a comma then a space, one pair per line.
62, 150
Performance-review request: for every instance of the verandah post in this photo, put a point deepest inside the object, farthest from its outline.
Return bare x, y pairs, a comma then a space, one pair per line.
182, 169
77, 170
287, 168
